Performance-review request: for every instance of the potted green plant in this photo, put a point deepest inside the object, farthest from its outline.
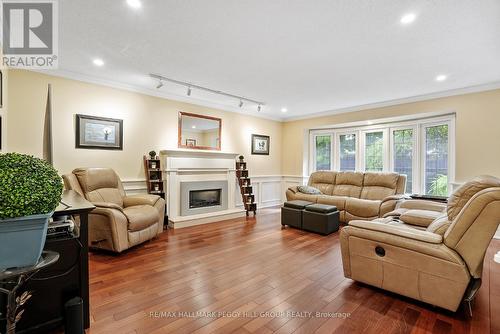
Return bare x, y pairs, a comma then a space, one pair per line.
241, 158
30, 190
152, 154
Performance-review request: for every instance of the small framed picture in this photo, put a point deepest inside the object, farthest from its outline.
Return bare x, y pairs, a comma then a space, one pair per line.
99, 133
190, 142
260, 144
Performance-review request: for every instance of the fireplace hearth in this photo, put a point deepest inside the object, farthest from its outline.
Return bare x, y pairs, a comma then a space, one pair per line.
204, 198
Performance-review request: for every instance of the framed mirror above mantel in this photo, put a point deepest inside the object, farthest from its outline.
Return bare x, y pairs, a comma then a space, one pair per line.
199, 132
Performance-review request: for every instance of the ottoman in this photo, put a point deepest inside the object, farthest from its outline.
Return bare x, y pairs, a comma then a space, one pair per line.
320, 218
291, 213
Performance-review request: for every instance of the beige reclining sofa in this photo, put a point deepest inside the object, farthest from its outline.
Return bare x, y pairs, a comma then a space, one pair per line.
424, 250
118, 222
356, 195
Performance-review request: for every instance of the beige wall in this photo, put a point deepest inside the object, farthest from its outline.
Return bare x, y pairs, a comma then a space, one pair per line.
477, 131
149, 123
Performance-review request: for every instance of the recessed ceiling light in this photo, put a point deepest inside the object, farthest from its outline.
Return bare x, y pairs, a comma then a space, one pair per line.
98, 62
284, 109
193, 127
408, 18
441, 77
136, 4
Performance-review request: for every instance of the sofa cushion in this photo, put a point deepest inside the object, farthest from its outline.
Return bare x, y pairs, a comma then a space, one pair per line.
308, 190
306, 197
323, 180
348, 184
377, 186
362, 207
440, 225
419, 217
140, 217
338, 201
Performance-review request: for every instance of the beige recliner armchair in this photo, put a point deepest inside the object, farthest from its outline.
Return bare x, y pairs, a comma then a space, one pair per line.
118, 222
434, 263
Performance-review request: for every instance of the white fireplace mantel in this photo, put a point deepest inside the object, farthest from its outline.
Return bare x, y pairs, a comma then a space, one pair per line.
196, 166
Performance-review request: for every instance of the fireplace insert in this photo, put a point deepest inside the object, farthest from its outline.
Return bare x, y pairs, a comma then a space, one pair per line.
204, 198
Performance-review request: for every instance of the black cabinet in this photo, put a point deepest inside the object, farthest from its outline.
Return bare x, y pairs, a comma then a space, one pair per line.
53, 287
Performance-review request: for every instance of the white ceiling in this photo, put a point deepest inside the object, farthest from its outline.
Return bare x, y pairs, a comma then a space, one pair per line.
307, 56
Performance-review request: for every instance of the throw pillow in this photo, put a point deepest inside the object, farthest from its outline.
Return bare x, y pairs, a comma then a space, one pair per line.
308, 190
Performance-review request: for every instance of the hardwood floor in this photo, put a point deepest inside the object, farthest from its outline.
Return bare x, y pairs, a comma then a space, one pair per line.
251, 266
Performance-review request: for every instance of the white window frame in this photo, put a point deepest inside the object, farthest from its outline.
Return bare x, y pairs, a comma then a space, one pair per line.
385, 148
451, 152
415, 184
388, 127
337, 148
312, 158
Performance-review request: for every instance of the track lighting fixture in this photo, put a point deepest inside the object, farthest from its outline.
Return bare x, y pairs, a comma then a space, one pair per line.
189, 85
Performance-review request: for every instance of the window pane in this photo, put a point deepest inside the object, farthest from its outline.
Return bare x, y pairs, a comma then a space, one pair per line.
348, 152
436, 160
374, 155
403, 155
323, 152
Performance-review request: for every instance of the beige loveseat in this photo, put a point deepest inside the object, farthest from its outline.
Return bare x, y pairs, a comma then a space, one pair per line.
432, 260
356, 195
118, 222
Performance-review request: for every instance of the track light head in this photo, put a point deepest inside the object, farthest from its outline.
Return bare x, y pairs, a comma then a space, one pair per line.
241, 103
160, 84
259, 107
189, 91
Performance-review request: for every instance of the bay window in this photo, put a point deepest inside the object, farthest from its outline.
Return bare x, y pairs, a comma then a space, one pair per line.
422, 149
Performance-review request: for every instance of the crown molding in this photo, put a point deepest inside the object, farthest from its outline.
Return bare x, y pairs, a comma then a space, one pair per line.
411, 99
153, 92
192, 100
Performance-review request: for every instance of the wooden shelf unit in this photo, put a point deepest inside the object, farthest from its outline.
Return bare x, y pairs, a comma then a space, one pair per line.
154, 178
246, 188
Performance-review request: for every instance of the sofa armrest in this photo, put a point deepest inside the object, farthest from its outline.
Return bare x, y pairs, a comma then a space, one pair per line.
389, 203
419, 204
142, 199
404, 232
108, 205
294, 189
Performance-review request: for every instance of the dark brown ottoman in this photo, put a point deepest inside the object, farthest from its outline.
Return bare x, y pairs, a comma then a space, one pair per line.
291, 213
320, 218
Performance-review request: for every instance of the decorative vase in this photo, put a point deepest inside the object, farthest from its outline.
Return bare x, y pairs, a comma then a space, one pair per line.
22, 240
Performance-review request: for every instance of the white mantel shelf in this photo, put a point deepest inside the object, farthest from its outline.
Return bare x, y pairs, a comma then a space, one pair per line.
198, 154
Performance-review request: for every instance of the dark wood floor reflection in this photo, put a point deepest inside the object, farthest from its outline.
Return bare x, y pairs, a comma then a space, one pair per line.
254, 268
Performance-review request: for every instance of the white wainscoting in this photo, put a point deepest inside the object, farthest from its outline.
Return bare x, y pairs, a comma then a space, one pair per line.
269, 190
133, 187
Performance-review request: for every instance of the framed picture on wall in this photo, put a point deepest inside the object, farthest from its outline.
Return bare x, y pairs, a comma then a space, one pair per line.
260, 144
190, 142
99, 133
